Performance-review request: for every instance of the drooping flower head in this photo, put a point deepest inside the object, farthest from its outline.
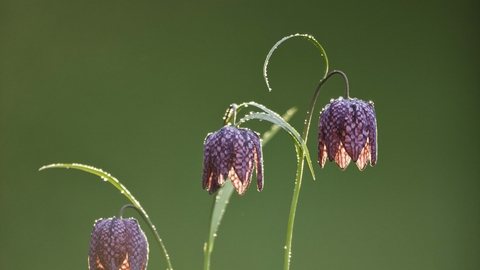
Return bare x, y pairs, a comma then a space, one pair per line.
348, 131
232, 152
117, 244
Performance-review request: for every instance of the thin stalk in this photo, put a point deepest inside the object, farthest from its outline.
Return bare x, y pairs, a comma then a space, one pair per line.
308, 120
298, 180
206, 260
231, 112
207, 247
293, 208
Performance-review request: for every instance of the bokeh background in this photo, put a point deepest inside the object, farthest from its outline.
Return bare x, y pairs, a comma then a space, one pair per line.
133, 87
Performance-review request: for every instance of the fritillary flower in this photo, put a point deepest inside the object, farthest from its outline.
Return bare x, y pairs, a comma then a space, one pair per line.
117, 244
348, 131
232, 152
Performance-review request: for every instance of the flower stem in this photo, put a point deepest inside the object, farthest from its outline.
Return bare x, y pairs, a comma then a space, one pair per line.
293, 208
301, 155
308, 120
231, 113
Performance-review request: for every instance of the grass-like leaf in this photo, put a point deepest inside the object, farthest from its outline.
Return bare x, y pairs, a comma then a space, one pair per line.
108, 177
276, 119
104, 175
300, 143
306, 36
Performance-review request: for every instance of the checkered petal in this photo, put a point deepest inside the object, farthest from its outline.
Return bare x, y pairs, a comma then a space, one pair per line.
232, 152
117, 244
347, 131
218, 157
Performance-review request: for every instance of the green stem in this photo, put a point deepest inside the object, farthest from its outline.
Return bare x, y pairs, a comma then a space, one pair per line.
301, 154
293, 208
308, 120
208, 245
231, 112
206, 260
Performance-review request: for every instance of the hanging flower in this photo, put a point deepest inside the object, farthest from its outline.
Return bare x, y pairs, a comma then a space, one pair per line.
348, 131
117, 244
232, 152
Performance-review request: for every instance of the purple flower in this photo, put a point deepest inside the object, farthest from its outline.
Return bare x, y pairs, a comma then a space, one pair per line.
117, 244
348, 131
232, 152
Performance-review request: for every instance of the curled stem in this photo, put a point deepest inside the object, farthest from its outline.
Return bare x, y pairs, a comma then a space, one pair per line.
308, 120
120, 214
230, 113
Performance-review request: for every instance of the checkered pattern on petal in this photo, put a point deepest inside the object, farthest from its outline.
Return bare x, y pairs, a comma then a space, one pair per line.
322, 136
258, 158
372, 131
232, 152
347, 131
117, 244
218, 157
355, 132
137, 245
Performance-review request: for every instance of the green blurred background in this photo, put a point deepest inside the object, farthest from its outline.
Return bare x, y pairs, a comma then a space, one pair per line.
133, 87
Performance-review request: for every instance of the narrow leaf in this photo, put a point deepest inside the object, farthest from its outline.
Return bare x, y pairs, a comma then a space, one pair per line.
306, 36
108, 177
104, 175
288, 128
